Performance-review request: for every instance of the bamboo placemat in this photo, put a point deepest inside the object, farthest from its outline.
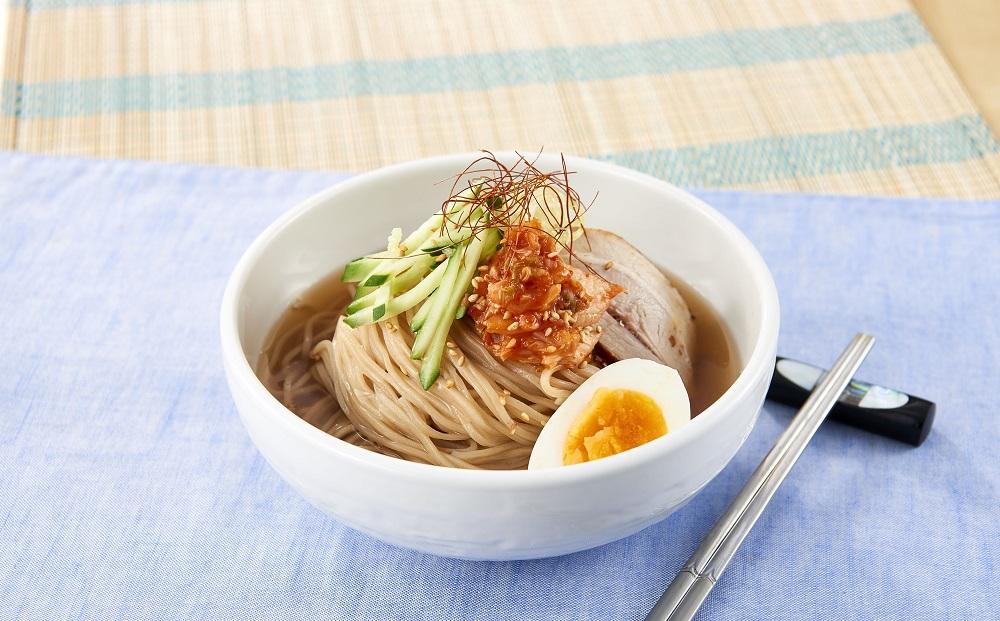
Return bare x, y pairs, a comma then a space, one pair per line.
846, 96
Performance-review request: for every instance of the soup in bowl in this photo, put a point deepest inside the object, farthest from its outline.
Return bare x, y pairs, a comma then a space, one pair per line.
488, 357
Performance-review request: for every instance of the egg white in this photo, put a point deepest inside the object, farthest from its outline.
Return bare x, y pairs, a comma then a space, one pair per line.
659, 382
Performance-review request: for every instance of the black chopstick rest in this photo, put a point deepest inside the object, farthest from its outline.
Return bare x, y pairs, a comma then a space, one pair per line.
880, 410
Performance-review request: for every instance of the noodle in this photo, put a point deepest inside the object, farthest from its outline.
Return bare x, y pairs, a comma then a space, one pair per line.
361, 386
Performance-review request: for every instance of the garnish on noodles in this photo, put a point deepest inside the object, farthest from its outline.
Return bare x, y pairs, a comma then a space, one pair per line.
531, 306
432, 270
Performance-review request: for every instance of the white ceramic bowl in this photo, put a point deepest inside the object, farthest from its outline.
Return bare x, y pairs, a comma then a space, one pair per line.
499, 514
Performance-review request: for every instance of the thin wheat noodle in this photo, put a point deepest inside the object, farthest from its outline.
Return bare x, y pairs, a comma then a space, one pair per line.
361, 386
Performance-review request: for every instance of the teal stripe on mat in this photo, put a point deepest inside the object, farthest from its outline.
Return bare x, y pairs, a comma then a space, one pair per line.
462, 73
809, 155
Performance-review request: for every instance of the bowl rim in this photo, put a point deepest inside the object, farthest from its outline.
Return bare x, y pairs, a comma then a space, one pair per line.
241, 374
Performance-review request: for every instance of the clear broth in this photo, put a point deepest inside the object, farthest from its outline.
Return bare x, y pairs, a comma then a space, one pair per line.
715, 363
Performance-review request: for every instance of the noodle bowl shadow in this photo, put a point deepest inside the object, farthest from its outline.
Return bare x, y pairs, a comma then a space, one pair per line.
499, 515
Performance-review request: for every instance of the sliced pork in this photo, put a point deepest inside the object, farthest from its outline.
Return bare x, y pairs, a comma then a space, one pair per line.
650, 319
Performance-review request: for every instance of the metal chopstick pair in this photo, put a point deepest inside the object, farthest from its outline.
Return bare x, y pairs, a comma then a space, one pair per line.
681, 600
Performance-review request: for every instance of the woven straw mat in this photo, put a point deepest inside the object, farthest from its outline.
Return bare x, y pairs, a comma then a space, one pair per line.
847, 96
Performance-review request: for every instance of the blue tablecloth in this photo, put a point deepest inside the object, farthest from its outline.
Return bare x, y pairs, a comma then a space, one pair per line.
129, 489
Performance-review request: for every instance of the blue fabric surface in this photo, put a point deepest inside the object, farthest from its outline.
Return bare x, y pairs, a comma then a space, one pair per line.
129, 489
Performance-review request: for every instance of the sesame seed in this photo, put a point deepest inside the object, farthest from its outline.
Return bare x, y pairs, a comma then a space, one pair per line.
513, 326
482, 268
460, 360
548, 331
439, 258
503, 401
550, 349
449, 384
525, 417
506, 314
506, 392
473, 298
512, 428
451, 344
553, 254
510, 343
599, 329
609, 265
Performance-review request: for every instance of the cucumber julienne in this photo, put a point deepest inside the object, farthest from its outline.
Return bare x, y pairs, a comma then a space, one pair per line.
433, 269
429, 272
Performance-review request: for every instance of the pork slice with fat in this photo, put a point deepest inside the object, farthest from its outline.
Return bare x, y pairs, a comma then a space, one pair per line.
650, 319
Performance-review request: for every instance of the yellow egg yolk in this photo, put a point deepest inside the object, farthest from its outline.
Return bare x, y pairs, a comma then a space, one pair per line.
615, 420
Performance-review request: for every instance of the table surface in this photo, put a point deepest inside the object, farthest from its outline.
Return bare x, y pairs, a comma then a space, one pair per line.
845, 96
968, 33
131, 491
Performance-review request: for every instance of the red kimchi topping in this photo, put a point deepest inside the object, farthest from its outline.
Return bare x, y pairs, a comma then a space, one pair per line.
531, 306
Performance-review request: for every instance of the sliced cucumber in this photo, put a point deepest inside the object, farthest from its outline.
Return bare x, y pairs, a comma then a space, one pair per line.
491, 243
419, 237
366, 301
434, 235
451, 298
438, 302
392, 306
421, 315
375, 280
390, 284
359, 269
397, 284
387, 268
372, 313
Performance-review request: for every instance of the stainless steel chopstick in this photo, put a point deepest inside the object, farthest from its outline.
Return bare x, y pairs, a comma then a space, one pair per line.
681, 600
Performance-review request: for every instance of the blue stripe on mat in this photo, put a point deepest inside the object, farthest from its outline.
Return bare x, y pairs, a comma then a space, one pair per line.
470, 72
808, 155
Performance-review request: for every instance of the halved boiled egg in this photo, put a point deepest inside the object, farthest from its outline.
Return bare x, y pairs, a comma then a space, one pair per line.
622, 406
